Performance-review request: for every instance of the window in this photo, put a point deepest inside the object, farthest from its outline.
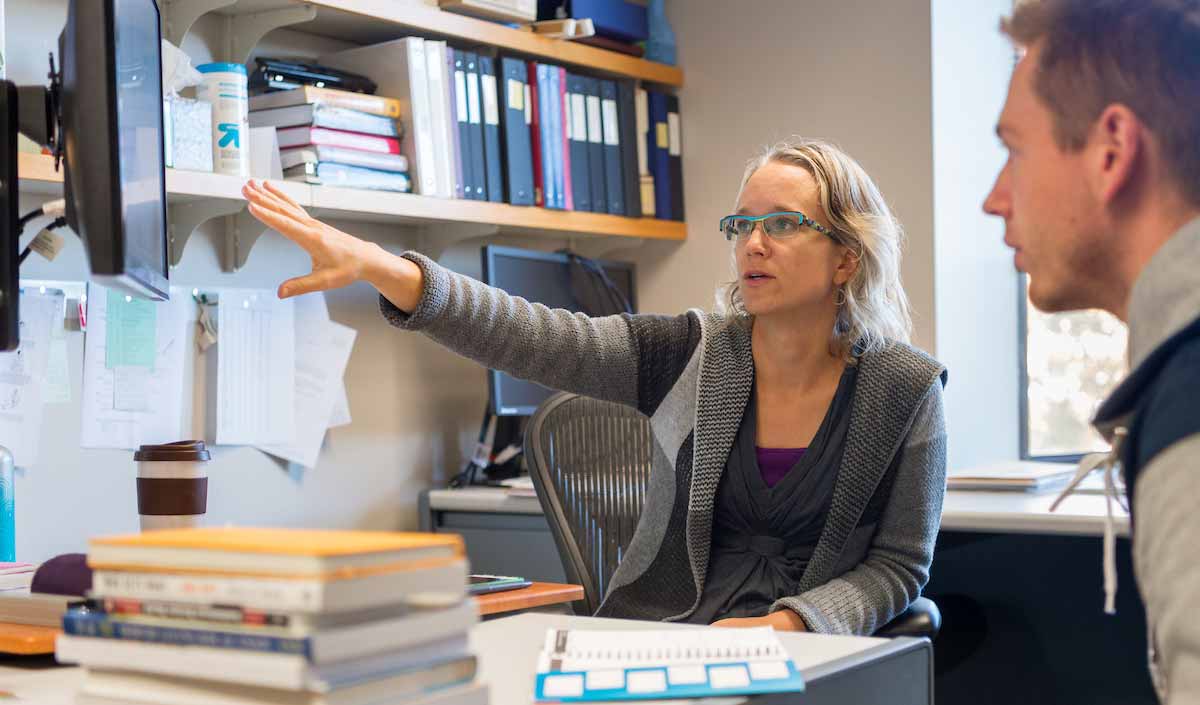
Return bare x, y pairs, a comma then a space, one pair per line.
1071, 363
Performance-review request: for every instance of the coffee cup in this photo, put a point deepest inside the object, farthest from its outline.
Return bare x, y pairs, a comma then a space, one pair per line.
172, 484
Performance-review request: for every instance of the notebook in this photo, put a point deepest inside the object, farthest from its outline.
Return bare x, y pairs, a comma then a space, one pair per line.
1013, 476
578, 665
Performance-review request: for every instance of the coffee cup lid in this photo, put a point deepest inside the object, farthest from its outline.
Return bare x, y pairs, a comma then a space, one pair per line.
177, 451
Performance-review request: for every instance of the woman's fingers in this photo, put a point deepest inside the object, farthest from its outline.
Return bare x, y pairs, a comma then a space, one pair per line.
320, 280
300, 233
256, 194
283, 195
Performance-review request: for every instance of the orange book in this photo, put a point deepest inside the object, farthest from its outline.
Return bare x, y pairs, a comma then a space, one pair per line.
309, 553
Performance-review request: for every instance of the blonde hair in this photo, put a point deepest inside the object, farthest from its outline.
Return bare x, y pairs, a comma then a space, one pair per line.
875, 310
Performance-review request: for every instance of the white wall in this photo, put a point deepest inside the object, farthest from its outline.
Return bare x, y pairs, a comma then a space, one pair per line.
854, 72
416, 407
976, 283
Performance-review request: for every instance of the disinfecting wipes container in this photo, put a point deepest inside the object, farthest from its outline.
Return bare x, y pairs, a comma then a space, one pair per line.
224, 87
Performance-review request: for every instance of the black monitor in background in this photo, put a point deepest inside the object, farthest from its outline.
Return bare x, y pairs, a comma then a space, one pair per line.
113, 142
102, 115
545, 278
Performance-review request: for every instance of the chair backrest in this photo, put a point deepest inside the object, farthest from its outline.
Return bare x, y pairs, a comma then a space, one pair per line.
590, 463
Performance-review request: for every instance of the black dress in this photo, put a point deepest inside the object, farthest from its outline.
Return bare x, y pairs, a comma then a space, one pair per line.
762, 536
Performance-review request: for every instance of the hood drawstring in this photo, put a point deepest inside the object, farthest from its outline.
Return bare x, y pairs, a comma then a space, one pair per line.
1108, 463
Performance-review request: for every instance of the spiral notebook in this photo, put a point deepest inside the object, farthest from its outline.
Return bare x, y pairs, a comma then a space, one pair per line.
579, 665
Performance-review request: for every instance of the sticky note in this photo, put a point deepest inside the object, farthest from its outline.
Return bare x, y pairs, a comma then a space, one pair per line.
769, 670
130, 335
564, 686
733, 676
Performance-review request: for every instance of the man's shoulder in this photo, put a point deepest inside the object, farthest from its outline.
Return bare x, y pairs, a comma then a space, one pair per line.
1171, 408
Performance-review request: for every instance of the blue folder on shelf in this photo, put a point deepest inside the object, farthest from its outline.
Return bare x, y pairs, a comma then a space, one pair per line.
518, 154
614, 185
658, 143
489, 95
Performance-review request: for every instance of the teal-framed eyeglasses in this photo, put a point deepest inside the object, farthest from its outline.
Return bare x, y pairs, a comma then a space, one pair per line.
777, 226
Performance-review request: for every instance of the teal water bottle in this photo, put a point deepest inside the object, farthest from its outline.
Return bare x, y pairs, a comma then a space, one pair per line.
8, 523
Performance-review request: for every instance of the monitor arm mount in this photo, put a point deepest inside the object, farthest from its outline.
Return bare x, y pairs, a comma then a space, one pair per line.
39, 113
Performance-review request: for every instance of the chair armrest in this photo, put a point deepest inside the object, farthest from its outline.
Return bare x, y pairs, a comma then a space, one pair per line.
922, 618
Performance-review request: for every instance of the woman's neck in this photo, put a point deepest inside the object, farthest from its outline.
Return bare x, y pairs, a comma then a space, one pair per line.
793, 353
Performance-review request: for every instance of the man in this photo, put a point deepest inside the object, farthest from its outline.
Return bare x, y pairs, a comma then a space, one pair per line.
1100, 198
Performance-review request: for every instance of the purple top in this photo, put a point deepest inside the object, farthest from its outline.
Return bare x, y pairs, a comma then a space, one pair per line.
774, 463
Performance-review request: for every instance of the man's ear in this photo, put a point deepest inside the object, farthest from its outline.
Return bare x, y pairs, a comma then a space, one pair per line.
1118, 142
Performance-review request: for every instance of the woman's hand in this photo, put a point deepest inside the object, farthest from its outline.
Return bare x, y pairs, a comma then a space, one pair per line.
782, 620
338, 259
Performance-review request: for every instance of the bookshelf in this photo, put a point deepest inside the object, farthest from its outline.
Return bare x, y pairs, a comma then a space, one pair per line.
37, 175
373, 21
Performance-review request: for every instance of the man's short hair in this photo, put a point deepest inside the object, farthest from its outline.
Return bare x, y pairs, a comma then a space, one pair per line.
1144, 54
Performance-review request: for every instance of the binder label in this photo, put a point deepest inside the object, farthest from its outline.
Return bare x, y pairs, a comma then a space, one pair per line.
473, 102
660, 135
526, 93
516, 94
578, 118
595, 134
460, 94
491, 106
611, 135
675, 145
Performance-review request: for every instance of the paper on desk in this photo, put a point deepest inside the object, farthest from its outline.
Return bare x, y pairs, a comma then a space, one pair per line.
58, 369
129, 405
23, 376
256, 368
322, 351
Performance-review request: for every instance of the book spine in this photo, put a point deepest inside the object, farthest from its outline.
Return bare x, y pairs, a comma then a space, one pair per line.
353, 140
275, 595
229, 614
101, 626
340, 119
373, 104
370, 160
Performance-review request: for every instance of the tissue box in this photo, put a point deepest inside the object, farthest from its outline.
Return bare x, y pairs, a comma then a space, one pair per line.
187, 133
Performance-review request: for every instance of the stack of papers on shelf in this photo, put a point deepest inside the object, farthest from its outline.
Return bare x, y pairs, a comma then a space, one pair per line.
1024, 476
275, 616
579, 665
521, 486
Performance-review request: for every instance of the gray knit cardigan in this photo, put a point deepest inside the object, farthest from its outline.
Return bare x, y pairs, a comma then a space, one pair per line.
691, 375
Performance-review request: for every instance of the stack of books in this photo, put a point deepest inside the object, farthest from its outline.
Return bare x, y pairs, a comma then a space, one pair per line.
335, 137
503, 129
274, 616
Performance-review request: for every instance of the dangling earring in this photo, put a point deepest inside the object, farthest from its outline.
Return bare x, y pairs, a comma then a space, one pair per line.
839, 298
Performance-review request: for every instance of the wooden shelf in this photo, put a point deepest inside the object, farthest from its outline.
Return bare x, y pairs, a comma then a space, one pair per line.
38, 176
373, 21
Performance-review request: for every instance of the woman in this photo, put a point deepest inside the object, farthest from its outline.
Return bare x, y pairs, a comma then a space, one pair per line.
800, 446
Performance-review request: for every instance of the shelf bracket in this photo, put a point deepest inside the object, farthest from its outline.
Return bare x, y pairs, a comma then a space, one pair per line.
243, 32
184, 218
598, 247
242, 230
178, 16
434, 240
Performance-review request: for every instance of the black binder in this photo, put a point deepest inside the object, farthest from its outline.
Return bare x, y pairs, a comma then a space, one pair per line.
518, 157
627, 117
581, 187
489, 95
476, 183
614, 188
458, 83
658, 140
675, 156
595, 132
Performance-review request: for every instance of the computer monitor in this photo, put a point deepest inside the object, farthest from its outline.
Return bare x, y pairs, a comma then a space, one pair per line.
102, 114
113, 142
544, 278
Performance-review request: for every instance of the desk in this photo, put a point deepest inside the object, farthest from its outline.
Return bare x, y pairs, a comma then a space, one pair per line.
536, 595
1028, 513
837, 669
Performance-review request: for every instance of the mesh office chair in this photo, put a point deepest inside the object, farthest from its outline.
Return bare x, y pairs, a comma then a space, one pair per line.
590, 463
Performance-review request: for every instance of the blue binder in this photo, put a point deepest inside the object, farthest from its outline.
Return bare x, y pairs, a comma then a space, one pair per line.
554, 102
660, 164
476, 184
546, 134
614, 187
595, 130
518, 155
490, 98
581, 186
